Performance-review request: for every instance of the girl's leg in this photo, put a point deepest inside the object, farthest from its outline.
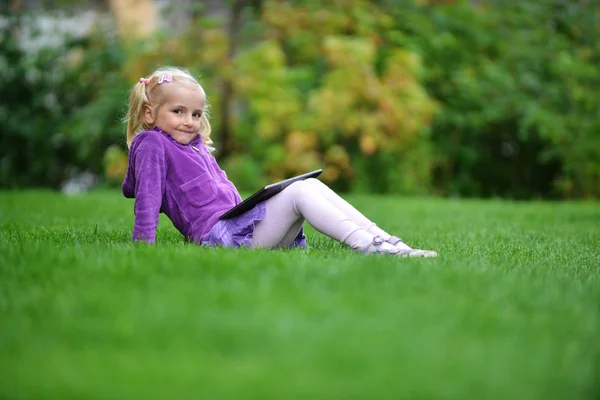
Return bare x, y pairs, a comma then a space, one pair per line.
286, 211
352, 212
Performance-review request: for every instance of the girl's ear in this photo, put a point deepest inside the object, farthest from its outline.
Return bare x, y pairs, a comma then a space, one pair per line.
148, 114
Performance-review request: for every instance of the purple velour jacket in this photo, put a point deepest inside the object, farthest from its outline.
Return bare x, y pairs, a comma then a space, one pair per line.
182, 181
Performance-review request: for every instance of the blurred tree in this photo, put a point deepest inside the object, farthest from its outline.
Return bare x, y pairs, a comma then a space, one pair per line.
484, 98
233, 36
39, 90
519, 116
136, 19
15, 5
320, 89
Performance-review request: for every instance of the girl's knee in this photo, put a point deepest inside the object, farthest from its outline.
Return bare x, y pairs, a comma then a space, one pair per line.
296, 187
302, 190
314, 182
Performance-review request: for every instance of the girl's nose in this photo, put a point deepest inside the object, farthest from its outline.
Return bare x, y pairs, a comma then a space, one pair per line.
187, 120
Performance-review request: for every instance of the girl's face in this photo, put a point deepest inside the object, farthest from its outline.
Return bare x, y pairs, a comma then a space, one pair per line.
179, 115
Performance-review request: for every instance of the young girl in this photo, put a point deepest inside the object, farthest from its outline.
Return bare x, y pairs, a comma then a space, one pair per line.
171, 170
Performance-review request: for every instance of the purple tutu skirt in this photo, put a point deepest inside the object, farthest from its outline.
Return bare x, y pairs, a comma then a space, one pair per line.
238, 231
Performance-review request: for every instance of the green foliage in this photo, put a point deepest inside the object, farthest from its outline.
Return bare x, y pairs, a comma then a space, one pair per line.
49, 129
98, 123
452, 97
38, 92
342, 103
519, 112
243, 169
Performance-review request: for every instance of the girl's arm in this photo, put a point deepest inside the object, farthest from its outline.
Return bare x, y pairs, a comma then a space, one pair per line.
150, 176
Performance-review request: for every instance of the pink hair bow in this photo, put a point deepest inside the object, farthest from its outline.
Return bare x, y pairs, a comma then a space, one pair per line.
165, 78
145, 81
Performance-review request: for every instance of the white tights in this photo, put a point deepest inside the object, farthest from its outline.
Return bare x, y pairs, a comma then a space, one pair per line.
328, 213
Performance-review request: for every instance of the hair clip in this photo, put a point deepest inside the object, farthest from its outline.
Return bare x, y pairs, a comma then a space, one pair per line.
144, 81
165, 78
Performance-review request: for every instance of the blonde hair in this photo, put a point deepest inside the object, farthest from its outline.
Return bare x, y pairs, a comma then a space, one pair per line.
144, 93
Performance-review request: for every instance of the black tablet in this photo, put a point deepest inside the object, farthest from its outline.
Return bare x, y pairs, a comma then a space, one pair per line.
265, 193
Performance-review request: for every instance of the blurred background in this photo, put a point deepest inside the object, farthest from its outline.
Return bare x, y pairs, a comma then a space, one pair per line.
478, 98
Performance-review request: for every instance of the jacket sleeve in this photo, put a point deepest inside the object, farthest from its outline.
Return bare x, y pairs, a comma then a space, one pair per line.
150, 175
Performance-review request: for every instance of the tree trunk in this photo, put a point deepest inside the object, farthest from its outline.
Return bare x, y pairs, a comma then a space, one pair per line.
16, 5
233, 32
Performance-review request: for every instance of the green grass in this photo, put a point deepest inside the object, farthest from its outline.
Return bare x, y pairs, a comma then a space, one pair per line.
510, 309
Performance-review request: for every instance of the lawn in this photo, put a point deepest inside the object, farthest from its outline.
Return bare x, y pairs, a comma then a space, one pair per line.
510, 309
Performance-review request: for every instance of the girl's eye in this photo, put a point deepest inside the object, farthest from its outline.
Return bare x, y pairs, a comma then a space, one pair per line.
177, 111
196, 115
